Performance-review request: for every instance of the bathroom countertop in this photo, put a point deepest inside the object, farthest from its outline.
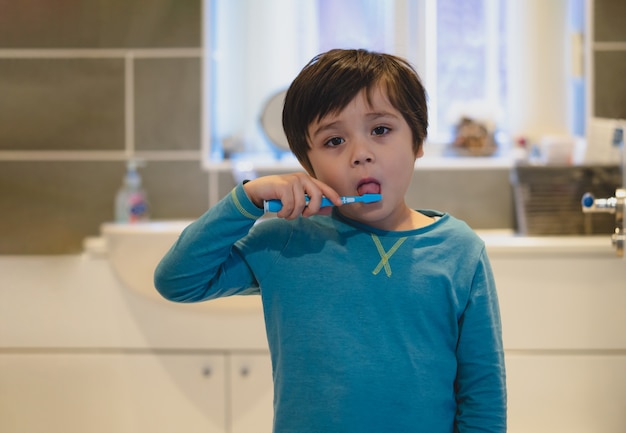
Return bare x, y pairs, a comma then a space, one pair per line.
497, 241
506, 241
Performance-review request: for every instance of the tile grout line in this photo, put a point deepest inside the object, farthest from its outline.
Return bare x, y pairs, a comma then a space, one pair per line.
98, 155
99, 53
129, 104
609, 46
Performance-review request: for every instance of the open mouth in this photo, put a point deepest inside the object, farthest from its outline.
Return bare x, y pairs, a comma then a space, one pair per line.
368, 186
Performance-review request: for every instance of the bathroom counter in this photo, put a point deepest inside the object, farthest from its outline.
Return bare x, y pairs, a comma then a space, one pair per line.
69, 317
508, 242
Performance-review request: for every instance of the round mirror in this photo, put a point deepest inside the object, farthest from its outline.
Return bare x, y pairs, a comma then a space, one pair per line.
272, 120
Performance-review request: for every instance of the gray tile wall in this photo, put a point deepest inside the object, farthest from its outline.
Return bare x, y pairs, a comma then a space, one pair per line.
610, 88
609, 21
483, 198
84, 85
62, 104
609, 51
100, 24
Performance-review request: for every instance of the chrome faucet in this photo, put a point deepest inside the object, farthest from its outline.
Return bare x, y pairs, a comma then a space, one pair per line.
613, 205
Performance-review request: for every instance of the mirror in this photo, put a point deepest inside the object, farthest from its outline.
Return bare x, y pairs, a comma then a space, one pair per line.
272, 120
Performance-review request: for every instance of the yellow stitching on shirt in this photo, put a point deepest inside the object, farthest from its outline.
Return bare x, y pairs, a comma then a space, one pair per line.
239, 207
385, 256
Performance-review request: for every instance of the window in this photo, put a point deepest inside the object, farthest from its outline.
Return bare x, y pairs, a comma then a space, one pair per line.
469, 57
255, 49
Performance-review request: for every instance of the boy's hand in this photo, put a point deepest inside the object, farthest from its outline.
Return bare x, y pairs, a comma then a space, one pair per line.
291, 189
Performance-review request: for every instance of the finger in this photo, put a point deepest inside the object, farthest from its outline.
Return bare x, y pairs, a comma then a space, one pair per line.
317, 191
294, 202
315, 200
329, 193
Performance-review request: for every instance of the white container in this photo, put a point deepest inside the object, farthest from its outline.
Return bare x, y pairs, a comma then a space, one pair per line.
557, 149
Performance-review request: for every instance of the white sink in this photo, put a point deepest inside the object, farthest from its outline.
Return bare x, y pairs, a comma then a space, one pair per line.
135, 249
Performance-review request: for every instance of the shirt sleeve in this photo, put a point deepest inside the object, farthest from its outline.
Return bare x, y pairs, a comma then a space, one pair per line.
481, 378
204, 262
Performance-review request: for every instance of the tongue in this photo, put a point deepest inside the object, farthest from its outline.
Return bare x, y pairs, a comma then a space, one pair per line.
369, 188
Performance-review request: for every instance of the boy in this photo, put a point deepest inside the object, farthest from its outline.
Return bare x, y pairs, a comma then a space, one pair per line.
379, 318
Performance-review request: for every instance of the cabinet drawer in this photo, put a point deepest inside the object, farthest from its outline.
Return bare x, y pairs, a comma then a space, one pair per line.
566, 393
111, 393
570, 302
252, 393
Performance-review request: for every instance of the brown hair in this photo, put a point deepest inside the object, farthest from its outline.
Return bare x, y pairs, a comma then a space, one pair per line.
332, 79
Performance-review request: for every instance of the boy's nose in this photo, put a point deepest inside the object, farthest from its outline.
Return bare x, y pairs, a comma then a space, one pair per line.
362, 154
363, 160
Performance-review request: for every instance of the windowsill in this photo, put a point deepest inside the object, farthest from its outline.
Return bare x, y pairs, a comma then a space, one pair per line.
464, 162
430, 161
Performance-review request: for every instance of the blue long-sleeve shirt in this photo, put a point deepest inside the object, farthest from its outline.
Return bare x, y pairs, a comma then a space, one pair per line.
369, 330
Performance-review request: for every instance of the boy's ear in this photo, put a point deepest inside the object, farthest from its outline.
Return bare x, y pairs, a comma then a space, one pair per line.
420, 152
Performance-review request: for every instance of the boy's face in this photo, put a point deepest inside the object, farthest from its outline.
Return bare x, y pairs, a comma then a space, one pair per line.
366, 148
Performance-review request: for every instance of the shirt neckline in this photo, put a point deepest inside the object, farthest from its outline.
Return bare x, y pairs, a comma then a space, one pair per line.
440, 219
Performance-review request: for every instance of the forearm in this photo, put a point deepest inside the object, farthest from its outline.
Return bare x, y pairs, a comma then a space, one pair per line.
481, 376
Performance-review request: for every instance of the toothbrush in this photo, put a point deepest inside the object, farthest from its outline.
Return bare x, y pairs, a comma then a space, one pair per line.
276, 205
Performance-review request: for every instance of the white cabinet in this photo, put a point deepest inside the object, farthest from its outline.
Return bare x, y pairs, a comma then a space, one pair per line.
573, 393
563, 328
252, 394
47, 392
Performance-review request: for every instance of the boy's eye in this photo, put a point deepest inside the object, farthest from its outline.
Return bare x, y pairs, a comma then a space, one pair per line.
380, 130
335, 141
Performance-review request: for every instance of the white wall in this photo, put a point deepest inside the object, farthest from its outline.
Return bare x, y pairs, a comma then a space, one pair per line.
538, 63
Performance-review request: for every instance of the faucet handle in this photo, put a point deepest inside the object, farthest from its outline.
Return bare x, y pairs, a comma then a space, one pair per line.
613, 205
590, 204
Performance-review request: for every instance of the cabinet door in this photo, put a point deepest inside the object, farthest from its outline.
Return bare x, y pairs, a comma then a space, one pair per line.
252, 394
109, 393
578, 393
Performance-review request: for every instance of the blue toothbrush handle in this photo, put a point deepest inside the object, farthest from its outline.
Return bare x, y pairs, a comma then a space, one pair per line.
276, 205
272, 205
